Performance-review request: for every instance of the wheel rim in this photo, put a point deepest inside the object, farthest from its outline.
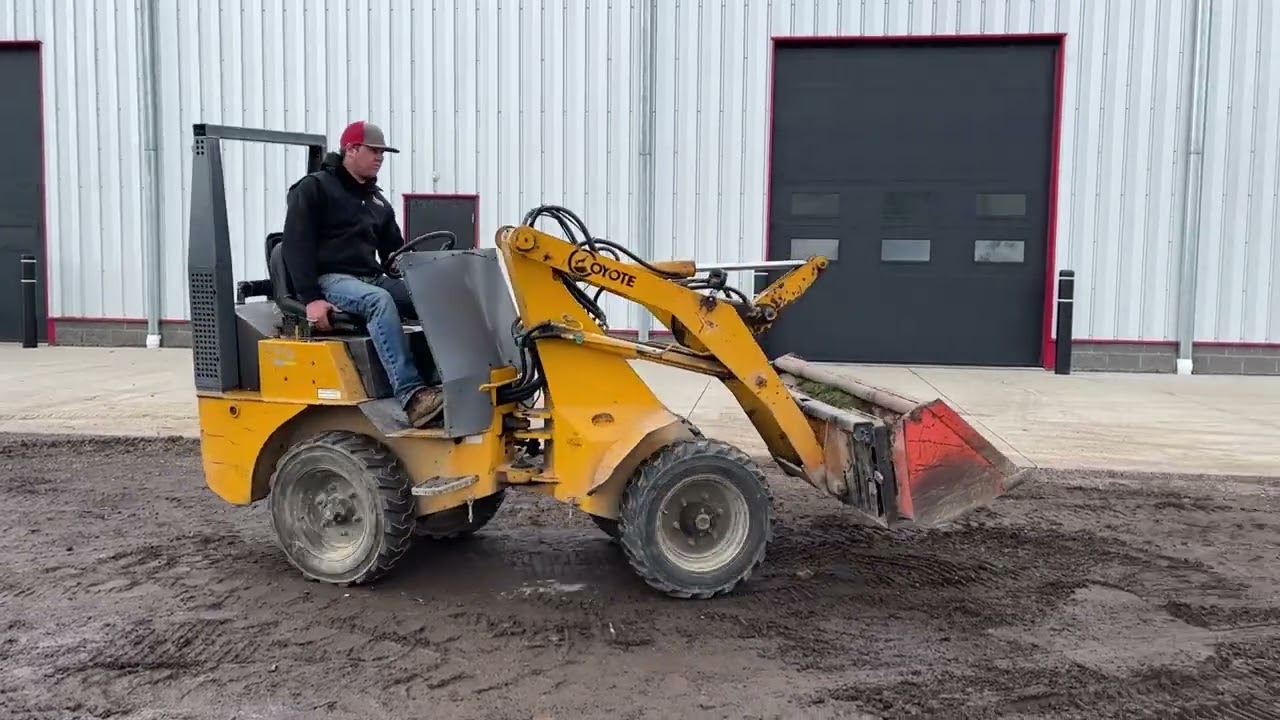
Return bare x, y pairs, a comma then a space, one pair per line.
327, 522
703, 523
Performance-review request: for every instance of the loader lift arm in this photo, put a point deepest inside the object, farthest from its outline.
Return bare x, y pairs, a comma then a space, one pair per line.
716, 335
892, 458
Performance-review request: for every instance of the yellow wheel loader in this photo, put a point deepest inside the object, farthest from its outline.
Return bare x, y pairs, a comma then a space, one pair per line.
539, 397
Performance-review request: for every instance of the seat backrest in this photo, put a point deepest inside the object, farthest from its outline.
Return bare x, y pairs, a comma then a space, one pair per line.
281, 286
273, 239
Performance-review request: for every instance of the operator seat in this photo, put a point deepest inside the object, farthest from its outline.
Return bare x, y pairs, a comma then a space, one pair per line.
290, 306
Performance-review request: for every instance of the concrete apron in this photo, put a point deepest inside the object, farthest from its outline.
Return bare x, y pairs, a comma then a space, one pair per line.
1101, 421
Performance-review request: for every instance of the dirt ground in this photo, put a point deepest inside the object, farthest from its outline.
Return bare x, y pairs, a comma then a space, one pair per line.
128, 590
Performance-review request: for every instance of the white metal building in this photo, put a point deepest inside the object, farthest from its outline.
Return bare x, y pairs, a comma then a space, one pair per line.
522, 103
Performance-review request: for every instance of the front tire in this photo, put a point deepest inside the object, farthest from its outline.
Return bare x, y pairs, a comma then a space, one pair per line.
696, 519
341, 508
610, 525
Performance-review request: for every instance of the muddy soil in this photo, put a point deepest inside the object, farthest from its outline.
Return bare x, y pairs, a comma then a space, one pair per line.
127, 590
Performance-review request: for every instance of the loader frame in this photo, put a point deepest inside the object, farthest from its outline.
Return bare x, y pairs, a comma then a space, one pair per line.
277, 402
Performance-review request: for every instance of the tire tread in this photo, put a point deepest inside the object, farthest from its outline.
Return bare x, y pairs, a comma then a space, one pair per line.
642, 490
391, 482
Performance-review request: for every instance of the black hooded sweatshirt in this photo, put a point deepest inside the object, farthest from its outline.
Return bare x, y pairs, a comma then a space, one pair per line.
336, 224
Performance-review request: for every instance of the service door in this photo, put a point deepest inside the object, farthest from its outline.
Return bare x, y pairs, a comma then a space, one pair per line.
455, 213
923, 171
21, 208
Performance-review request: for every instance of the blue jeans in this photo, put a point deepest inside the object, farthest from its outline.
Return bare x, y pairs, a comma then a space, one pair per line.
381, 301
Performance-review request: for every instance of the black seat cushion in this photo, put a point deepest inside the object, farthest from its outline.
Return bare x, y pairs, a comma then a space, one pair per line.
283, 295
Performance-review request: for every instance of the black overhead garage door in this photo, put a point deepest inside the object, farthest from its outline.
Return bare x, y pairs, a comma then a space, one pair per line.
923, 171
21, 209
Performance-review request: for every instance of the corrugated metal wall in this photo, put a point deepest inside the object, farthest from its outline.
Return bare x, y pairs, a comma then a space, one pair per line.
93, 160
1238, 291
528, 102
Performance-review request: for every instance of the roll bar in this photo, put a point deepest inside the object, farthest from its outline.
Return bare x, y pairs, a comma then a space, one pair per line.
210, 291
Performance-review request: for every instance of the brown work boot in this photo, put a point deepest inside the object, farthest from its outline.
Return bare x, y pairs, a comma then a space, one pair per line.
425, 406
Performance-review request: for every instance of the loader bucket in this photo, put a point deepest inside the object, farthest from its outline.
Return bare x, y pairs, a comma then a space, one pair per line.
905, 462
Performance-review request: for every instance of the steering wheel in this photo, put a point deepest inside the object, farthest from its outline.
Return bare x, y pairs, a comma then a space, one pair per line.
411, 246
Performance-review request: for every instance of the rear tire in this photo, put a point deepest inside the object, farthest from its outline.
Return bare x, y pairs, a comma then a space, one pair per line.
456, 522
341, 508
696, 519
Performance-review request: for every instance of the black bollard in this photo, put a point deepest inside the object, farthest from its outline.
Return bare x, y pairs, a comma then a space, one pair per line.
29, 301
1066, 297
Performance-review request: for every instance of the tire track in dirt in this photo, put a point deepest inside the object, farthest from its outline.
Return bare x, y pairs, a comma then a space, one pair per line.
200, 570
130, 591
1240, 682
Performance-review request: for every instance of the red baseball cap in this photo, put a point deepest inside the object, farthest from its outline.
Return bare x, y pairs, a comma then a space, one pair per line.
365, 133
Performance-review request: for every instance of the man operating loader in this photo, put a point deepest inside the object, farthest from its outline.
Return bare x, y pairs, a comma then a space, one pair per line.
337, 225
